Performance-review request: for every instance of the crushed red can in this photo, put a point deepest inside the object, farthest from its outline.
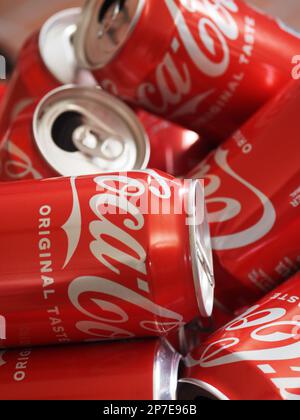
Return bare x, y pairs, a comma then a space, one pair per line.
73, 130
46, 61
174, 149
139, 370
253, 200
255, 357
113, 256
207, 65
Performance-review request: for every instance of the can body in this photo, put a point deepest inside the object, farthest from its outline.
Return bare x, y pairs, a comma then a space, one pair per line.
30, 80
45, 62
208, 65
252, 194
262, 347
2, 90
115, 371
174, 149
84, 258
19, 156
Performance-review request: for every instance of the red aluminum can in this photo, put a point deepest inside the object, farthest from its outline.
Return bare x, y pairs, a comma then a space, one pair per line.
112, 256
253, 200
255, 357
73, 130
134, 370
2, 90
207, 65
174, 149
46, 61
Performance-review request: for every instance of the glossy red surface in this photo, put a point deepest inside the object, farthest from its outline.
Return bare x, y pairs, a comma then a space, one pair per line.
253, 199
30, 81
209, 71
256, 356
79, 261
20, 158
174, 149
2, 90
88, 372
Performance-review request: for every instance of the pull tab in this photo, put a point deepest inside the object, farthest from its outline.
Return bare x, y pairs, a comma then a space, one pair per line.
103, 145
96, 139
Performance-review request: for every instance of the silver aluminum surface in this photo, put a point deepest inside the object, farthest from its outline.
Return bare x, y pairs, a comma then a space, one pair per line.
84, 130
104, 27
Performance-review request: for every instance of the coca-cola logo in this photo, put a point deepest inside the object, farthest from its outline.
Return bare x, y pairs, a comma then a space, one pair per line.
262, 335
268, 326
107, 319
232, 208
216, 25
209, 52
16, 164
215, 17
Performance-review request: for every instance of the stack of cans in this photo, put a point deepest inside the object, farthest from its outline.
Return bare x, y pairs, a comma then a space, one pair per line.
150, 241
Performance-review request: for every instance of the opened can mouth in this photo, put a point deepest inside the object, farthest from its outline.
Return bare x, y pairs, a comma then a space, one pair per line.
193, 389
201, 249
104, 27
84, 130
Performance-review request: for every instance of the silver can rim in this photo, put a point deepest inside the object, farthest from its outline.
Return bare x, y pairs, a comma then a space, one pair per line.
65, 19
82, 34
201, 250
166, 372
93, 90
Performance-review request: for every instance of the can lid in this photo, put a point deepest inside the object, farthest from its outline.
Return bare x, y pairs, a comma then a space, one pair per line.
84, 130
103, 29
201, 249
166, 372
56, 44
194, 389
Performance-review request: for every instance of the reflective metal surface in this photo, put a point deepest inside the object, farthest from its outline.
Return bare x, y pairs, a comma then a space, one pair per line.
56, 45
201, 250
166, 371
103, 29
83, 130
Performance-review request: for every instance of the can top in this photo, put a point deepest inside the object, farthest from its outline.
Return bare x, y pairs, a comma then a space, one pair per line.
103, 29
201, 250
56, 44
84, 130
166, 372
